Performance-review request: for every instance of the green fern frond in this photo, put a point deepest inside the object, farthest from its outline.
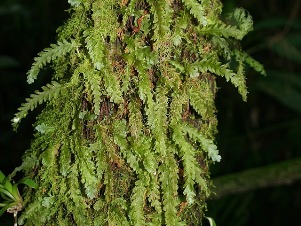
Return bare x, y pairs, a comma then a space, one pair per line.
87, 170
50, 91
197, 10
49, 54
221, 30
94, 80
169, 183
217, 68
201, 97
250, 61
137, 204
242, 20
112, 85
162, 18
206, 144
95, 44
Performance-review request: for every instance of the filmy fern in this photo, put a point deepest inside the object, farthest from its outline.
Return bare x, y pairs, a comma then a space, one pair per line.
126, 136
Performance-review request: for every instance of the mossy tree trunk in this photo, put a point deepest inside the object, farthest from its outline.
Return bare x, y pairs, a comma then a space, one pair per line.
127, 133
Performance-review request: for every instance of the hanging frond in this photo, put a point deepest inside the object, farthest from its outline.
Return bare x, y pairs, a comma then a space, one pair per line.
50, 91
136, 213
250, 61
197, 10
49, 54
162, 12
215, 67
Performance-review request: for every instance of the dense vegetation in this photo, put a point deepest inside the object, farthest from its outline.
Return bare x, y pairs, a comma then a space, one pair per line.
235, 126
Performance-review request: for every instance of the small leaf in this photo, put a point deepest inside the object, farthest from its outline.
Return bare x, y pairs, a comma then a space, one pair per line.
2, 177
29, 183
211, 221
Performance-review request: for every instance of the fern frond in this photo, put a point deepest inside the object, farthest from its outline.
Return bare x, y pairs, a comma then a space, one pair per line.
162, 18
169, 183
47, 55
250, 61
197, 10
93, 79
76, 202
201, 97
137, 204
146, 95
87, 170
120, 135
191, 168
94, 40
206, 144
50, 91
221, 30
242, 20
217, 68
112, 85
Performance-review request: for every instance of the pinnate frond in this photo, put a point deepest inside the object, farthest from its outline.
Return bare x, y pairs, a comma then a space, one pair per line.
50, 91
197, 10
47, 55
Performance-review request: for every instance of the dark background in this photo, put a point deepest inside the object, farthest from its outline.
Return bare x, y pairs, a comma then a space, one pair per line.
265, 130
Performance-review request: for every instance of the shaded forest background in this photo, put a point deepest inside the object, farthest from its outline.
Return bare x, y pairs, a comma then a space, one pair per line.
265, 130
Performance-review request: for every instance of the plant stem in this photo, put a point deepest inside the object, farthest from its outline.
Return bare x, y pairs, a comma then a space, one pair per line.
283, 173
16, 218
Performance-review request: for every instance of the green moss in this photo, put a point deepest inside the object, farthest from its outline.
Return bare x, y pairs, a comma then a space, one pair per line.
127, 133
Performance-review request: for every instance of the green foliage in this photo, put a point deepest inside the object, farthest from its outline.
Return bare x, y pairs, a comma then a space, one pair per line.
49, 92
127, 133
9, 192
47, 55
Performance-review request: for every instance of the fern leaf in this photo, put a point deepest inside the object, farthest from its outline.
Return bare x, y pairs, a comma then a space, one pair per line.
93, 78
197, 10
87, 169
217, 68
250, 61
47, 55
206, 144
242, 20
169, 183
201, 97
221, 29
95, 45
162, 18
50, 91
146, 95
137, 204
112, 86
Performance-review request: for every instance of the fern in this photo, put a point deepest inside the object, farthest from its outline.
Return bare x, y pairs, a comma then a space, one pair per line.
222, 70
137, 205
49, 54
197, 10
49, 92
127, 134
245, 57
162, 18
